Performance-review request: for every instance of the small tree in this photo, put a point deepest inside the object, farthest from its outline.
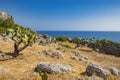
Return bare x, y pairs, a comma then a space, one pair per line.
22, 37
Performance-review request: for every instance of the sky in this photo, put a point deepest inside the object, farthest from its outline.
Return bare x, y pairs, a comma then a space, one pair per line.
65, 15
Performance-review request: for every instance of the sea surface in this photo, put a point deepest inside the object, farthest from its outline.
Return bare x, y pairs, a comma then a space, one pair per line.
110, 35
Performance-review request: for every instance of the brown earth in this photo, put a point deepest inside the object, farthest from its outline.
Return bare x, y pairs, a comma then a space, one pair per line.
22, 67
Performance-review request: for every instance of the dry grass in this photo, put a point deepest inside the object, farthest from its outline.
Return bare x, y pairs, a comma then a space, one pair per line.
22, 68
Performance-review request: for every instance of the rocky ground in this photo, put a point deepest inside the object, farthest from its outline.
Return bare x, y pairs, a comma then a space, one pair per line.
59, 62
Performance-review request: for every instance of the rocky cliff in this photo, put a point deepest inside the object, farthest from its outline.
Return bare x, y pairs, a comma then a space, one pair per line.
4, 16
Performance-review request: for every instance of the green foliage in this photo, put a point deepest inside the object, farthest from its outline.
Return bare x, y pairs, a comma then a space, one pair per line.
81, 41
27, 36
61, 38
20, 35
6, 24
44, 76
66, 46
105, 46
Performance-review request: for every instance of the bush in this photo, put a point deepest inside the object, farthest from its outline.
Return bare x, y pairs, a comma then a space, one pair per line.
61, 38
66, 46
106, 46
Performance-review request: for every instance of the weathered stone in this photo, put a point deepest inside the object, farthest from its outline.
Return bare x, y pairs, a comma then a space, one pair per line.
45, 36
93, 78
84, 59
4, 16
48, 52
5, 56
57, 54
59, 48
115, 71
90, 78
53, 68
77, 54
74, 58
100, 71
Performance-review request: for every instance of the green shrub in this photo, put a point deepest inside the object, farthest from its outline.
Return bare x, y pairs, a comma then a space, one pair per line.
62, 38
66, 46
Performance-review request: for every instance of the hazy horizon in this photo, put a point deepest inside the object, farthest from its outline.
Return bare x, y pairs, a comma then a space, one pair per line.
65, 15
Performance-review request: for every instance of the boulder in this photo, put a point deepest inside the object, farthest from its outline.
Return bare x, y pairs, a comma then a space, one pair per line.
98, 70
53, 68
114, 71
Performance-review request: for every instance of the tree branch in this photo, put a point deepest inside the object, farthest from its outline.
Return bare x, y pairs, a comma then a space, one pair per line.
22, 48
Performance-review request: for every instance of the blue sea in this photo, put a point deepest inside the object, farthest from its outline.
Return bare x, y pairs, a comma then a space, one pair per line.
110, 35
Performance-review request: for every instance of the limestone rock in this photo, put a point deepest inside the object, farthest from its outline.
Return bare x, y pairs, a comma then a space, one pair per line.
93, 78
74, 58
4, 16
84, 59
51, 53
53, 68
115, 71
100, 71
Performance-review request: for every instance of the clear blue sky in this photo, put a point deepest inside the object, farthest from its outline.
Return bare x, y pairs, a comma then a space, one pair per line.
95, 15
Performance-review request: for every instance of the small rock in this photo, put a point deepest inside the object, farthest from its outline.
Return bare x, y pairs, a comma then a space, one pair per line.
59, 48
97, 50
5, 56
57, 53
77, 54
53, 68
48, 52
100, 71
74, 58
93, 78
2, 54
115, 71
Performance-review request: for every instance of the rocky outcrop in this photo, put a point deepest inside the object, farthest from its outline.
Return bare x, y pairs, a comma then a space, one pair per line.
77, 56
114, 71
98, 70
53, 68
51, 53
4, 16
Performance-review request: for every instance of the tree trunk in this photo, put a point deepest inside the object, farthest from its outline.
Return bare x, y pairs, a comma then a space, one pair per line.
16, 52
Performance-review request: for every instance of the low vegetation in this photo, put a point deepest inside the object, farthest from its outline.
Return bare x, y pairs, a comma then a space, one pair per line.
61, 38
22, 37
104, 45
66, 46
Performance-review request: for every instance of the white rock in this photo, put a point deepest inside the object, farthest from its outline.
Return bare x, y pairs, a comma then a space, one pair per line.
101, 71
53, 68
115, 71
5, 16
